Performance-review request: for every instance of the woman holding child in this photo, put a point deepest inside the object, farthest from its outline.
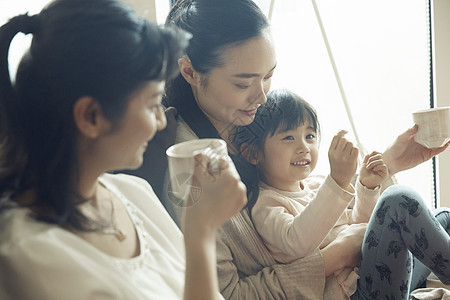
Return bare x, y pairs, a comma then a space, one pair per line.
223, 80
296, 212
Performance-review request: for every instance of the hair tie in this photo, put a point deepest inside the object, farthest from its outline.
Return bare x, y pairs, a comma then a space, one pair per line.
25, 23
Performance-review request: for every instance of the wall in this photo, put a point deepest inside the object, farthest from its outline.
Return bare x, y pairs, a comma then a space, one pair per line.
441, 66
145, 8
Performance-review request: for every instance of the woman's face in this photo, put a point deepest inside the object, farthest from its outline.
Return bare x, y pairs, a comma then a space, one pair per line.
230, 94
143, 117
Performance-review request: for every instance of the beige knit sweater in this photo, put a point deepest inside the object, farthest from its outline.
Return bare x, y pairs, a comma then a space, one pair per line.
247, 270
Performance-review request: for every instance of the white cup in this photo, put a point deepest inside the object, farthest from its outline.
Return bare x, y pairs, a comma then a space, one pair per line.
433, 126
181, 166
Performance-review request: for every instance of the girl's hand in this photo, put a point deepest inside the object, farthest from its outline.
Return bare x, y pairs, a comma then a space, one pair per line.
373, 170
405, 153
220, 194
343, 158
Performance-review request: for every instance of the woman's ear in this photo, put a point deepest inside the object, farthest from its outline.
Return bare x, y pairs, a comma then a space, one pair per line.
89, 118
187, 71
249, 154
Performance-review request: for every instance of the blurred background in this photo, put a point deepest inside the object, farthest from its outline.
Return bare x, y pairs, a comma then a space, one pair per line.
365, 66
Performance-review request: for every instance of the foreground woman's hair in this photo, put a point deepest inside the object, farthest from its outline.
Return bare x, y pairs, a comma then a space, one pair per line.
79, 48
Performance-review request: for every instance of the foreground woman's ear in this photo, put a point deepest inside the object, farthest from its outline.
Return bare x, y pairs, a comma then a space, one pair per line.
89, 118
187, 71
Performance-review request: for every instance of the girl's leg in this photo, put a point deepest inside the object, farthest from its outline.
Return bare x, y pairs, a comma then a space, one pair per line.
400, 225
420, 271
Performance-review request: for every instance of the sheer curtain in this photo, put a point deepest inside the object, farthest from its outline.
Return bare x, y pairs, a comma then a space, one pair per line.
382, 54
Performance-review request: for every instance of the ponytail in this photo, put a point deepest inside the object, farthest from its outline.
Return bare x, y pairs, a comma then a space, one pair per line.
22, 23
12, 154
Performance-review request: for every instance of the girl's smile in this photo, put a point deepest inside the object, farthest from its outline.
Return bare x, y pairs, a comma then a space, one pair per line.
289, 156
301, 163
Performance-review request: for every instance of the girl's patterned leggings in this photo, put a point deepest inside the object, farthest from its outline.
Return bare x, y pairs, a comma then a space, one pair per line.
403, 242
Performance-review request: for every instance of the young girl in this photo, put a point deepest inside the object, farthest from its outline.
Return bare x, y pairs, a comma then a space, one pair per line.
296, 212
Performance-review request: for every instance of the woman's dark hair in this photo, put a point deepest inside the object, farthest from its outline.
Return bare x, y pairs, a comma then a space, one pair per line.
97, 48
283, 111
215, 25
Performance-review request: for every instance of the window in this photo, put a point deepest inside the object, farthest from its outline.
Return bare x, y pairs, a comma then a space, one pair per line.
381, 51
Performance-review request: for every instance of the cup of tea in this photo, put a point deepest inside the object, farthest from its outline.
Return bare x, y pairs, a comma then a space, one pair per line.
181, 158
433, 126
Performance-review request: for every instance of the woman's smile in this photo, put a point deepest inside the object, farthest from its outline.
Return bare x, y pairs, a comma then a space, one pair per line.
250, 112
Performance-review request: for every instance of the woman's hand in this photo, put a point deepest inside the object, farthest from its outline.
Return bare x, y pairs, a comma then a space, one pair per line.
373, 170
405, 153
343, 158
220, 194
345, 250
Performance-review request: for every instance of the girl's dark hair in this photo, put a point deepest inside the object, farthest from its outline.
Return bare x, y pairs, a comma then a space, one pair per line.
214, 25
98, 48
283, 111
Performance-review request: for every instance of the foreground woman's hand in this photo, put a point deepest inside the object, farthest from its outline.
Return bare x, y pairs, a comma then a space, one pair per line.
405, 153
221, 195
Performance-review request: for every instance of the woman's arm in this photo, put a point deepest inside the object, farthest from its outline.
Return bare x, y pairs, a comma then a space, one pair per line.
405, 153
201, 274
301, 279
247, 270
222, 196
345, 250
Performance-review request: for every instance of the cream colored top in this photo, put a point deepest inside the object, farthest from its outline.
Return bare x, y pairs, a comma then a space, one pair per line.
43, 261
294, 224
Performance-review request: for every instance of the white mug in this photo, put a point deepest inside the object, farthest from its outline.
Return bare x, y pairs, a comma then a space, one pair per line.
433, 126
181, 166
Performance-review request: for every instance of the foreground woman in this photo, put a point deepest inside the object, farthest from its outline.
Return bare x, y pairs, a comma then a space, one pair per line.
86, 101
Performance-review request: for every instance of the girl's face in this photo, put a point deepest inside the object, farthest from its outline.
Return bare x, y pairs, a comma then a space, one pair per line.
144, 116
231, 94
289, 157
